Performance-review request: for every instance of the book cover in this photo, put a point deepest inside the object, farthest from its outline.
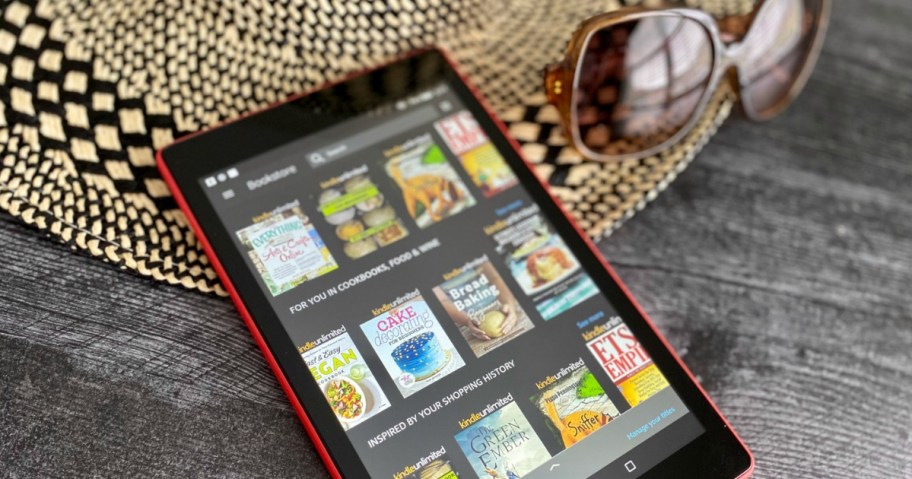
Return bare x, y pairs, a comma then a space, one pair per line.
482, 306
573, 403
436, 469
411, 344
345, 379
435, 465
479, 157
362, 217
502, 444
624, 359
430, 187
286, 249
540, 261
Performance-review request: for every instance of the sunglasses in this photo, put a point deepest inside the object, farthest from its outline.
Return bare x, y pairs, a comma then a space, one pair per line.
636, 80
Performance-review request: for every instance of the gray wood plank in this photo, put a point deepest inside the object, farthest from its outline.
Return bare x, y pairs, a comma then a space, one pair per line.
778, 264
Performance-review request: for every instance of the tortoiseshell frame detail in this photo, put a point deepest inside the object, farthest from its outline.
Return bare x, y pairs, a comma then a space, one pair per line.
728, 54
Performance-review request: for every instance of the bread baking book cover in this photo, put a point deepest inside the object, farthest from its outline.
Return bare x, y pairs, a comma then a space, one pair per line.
345, 379
285, 248
481, 304
411, 344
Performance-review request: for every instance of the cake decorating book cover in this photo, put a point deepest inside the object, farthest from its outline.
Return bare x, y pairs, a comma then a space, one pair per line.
343, 376
411, 344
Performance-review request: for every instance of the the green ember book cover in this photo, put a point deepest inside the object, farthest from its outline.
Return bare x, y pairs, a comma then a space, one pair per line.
502, 444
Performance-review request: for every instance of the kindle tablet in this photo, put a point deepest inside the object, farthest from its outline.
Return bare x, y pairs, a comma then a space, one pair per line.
426, 305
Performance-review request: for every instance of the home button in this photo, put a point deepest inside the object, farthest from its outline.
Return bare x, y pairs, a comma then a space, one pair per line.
630, 466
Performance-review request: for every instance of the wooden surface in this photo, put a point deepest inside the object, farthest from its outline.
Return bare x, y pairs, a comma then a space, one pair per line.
779, 264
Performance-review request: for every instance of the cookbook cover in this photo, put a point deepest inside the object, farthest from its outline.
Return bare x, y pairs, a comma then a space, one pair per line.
430, 187
361, 216
412, 346
478, 300
539, 260
343, 376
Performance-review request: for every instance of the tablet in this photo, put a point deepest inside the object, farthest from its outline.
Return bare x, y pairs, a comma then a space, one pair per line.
426, 305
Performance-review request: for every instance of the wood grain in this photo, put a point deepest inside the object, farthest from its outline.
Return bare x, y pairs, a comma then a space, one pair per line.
779, 264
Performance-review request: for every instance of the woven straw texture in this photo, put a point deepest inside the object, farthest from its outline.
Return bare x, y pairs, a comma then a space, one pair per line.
89, 91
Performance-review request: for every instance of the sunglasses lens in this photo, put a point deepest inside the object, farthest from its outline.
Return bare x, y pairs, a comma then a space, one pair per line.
639, 83
776, 52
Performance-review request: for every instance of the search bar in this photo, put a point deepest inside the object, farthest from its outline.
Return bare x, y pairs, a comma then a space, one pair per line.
371, 136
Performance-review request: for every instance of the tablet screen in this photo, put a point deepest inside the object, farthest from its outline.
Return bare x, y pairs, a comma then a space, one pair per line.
447, 323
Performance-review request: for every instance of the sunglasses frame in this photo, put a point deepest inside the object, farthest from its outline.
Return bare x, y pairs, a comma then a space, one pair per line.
561, 77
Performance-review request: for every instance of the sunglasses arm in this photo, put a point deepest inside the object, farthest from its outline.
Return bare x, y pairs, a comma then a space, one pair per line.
559, 88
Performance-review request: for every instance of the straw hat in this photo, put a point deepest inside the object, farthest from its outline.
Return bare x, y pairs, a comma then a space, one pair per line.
89, 90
